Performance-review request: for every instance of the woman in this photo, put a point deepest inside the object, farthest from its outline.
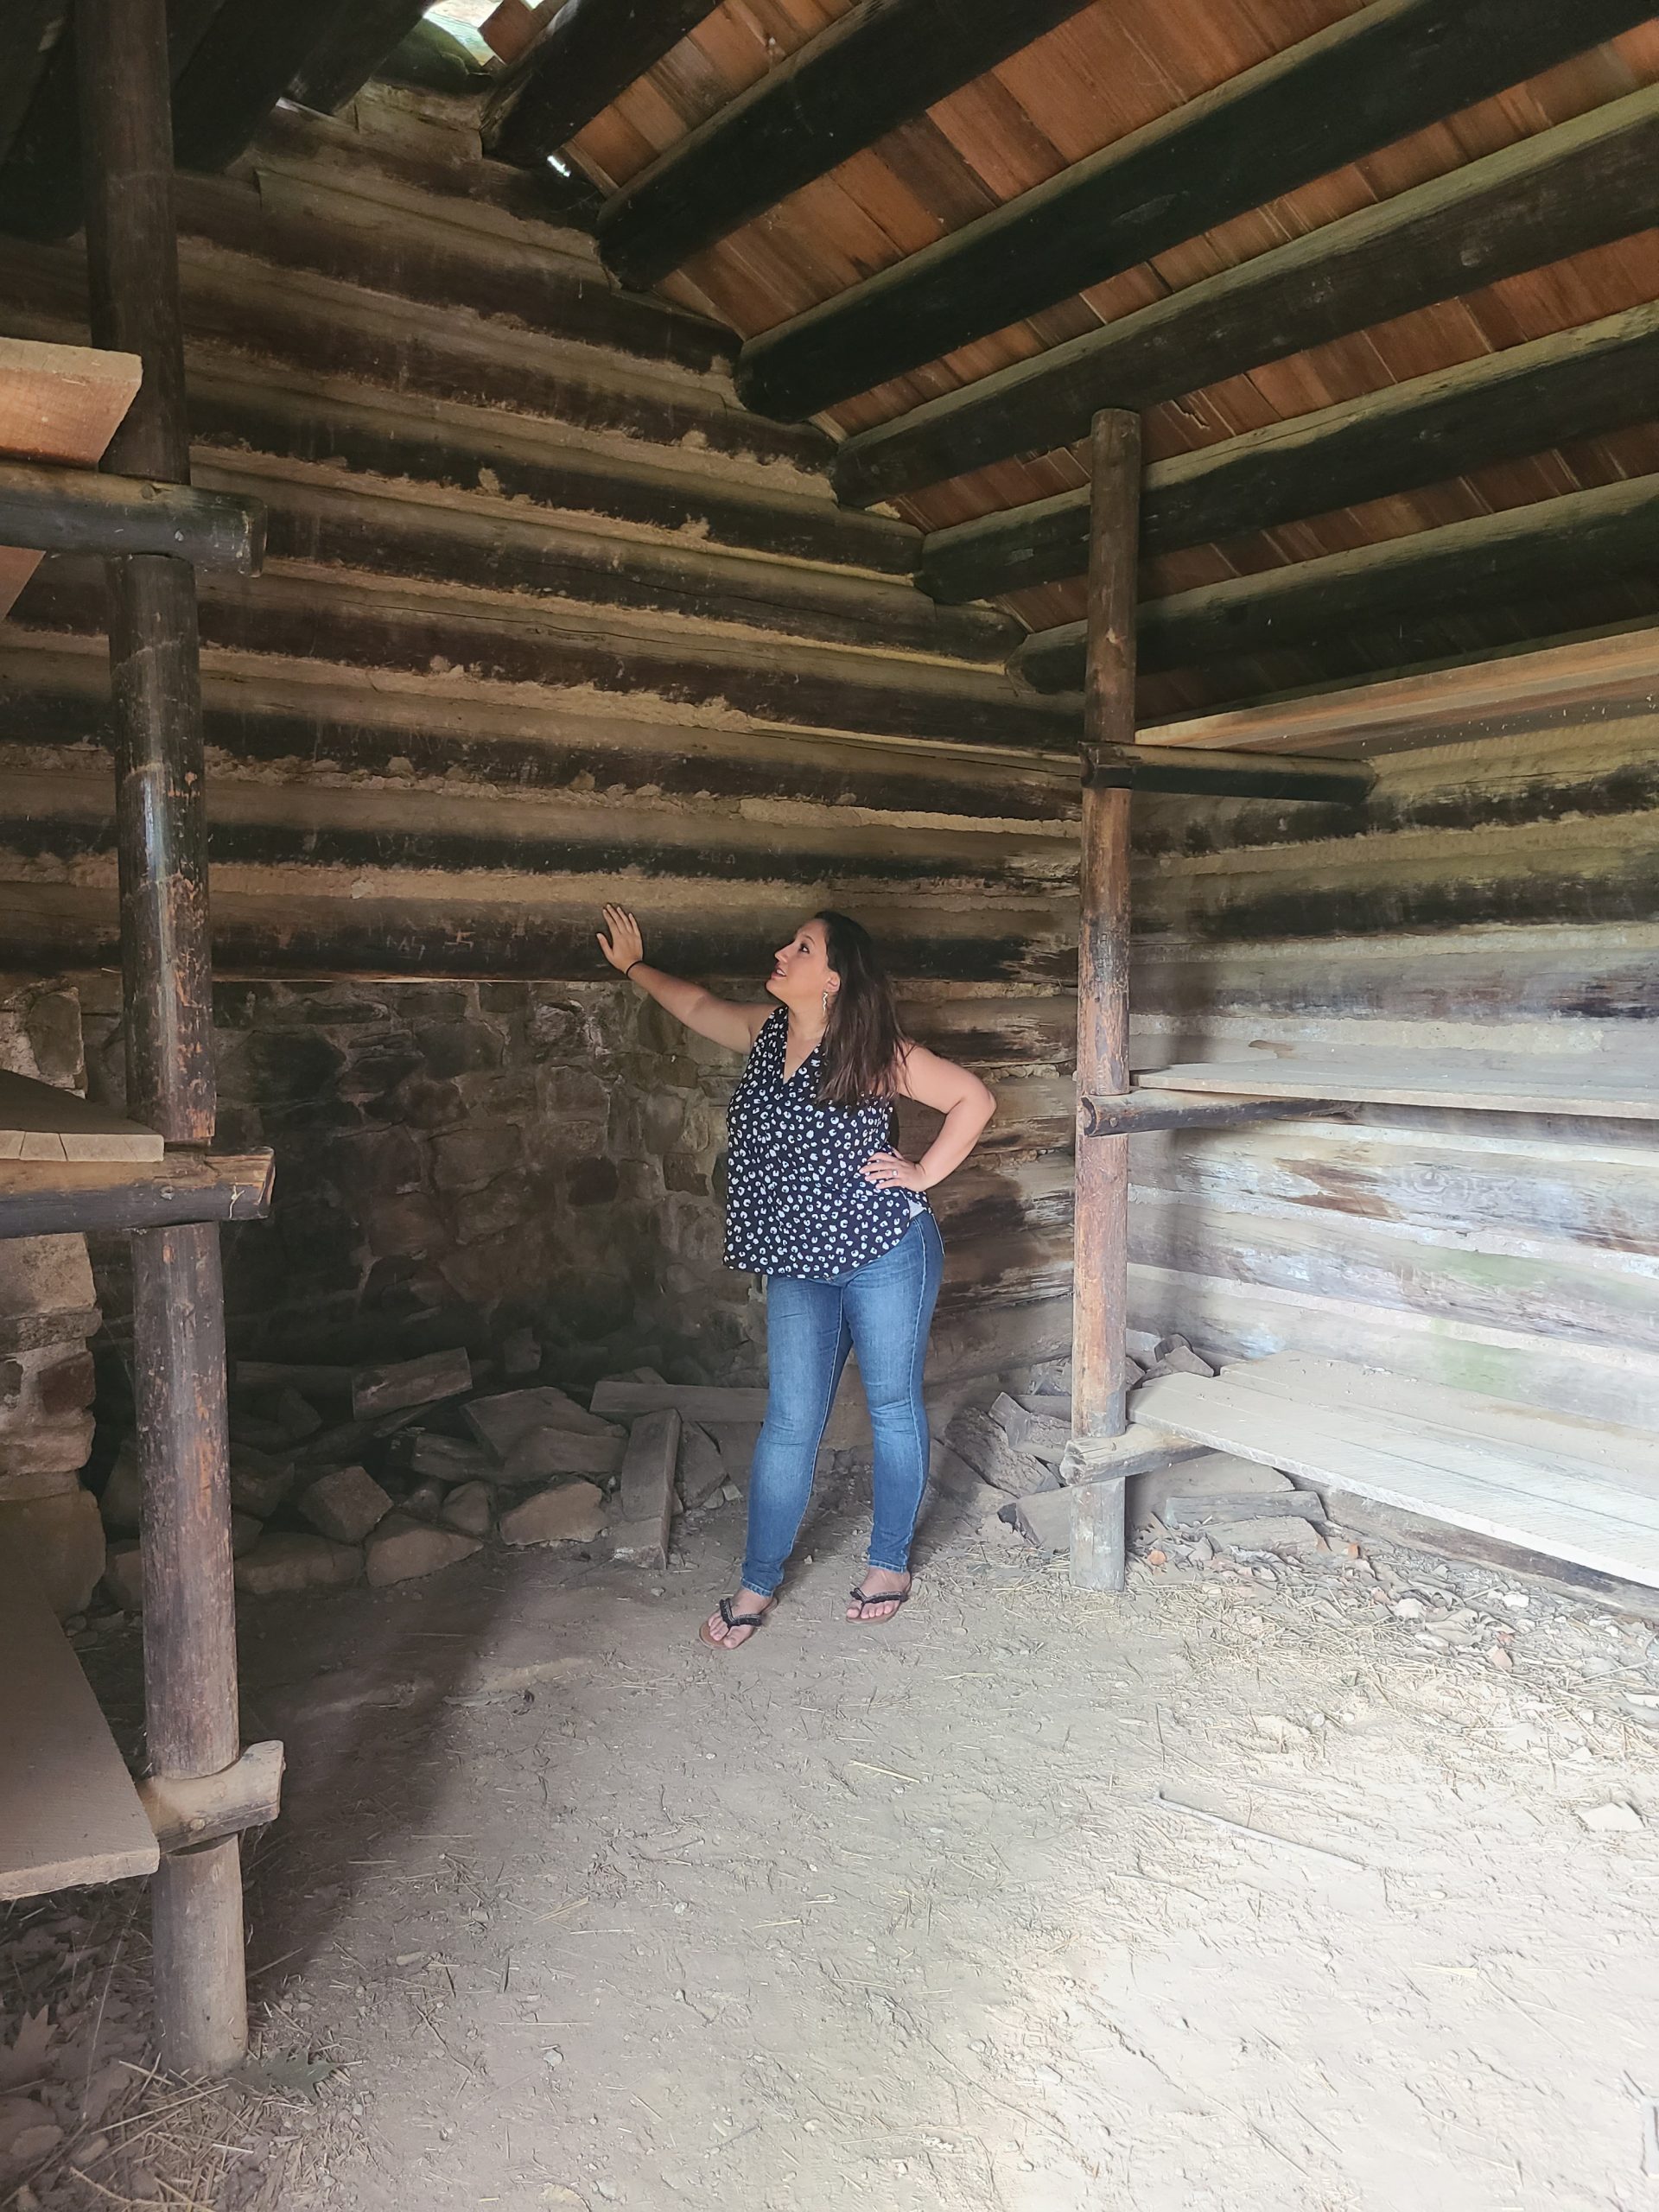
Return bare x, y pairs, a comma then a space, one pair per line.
838, 1224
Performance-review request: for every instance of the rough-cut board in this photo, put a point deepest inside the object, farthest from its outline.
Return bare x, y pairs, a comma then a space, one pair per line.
57, 402
1551, 1086
69, 1812
1534, 1493
38, 1121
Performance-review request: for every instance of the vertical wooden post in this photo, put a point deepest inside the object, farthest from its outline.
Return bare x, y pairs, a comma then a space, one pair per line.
1101, 1263
178, 1309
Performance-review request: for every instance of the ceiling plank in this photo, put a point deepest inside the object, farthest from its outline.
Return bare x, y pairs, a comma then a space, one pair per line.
1489, 561
1395, 67
883, 62
336, 69
1577, 186
590, 51
1574, 384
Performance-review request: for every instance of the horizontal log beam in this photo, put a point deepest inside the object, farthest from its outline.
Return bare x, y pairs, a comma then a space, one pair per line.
1392, 68
242, 65
1559, 193
1488, 562
187, 1810
91, 1197
1575, 383
590, 51
1192, 773
78, 510
1135, 1114
883, 62
342, 61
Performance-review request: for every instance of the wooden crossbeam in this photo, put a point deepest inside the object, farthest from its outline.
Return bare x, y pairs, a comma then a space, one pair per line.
883, 62
1131, 1113
347, 55
246, 61
77, 510
1574, 384
589, 52
93, 1197
1189, 773
1492, 560
1389, 69
1566, 189
184, 1811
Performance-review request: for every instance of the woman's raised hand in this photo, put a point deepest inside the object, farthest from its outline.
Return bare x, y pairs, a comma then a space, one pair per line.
624, 944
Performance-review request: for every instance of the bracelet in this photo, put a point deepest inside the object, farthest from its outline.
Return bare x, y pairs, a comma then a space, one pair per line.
631, 965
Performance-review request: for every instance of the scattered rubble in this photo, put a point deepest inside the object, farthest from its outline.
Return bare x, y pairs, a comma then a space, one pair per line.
401, 1548
573, 1513
345, 1504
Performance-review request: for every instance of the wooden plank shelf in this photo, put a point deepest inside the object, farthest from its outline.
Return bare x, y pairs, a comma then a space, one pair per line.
1537, 1086
69, 1811
1582, 1490
39, 1121
57, 403
39, 1198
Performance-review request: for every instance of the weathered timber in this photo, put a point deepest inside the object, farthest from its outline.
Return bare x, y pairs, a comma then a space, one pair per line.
356, 620
1472, 1082
424, 352
1100, 1293
1134, 1115
1537, 687
29, 31
391, 534
433, 444
1209, 773
338, 65
1575, 383
178, 1323
589, 51
242, 64
91, 1199
542, 282
185, 1812
420, 1381
1388, 70
1491, 560
75, 510
1559, 193
881, 63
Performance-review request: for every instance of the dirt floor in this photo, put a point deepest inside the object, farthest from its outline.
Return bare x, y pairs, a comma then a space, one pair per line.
1322, 1888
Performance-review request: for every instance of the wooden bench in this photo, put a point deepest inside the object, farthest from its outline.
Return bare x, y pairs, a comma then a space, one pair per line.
69, 1810
1572, 1489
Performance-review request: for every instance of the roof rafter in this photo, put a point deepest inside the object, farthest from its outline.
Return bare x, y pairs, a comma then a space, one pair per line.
1566, 190
587, 53
1373, 77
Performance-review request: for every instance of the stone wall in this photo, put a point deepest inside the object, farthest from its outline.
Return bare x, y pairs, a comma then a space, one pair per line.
457, 1159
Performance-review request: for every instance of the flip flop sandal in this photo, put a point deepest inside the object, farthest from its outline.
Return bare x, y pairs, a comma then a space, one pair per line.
863, 1600
750, 1621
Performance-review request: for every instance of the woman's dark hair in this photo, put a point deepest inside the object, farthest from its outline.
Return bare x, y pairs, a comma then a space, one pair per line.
863, 1044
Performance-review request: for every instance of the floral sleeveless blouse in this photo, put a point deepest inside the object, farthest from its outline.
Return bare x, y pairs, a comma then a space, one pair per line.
795, 1203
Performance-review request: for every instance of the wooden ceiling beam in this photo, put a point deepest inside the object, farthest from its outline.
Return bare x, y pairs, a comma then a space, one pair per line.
1574, 384
589, 52
250, 54
883, 62
1486, 562
1393, 68
1556, 193
337, 68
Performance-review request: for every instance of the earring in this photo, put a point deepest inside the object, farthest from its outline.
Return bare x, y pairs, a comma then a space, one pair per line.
826, 1001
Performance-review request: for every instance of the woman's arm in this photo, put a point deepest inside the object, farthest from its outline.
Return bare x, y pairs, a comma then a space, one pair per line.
736, 1026
966, 1104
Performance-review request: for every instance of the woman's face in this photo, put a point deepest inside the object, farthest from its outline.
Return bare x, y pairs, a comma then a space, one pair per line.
801, 973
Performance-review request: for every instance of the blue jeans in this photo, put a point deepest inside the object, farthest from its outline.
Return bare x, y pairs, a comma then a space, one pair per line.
882, 1311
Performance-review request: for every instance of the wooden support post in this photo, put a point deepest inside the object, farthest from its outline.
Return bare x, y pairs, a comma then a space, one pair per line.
178, 1303
1100, 1282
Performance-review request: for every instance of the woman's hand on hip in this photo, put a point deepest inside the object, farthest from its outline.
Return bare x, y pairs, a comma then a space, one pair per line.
890, 1171
624, 944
